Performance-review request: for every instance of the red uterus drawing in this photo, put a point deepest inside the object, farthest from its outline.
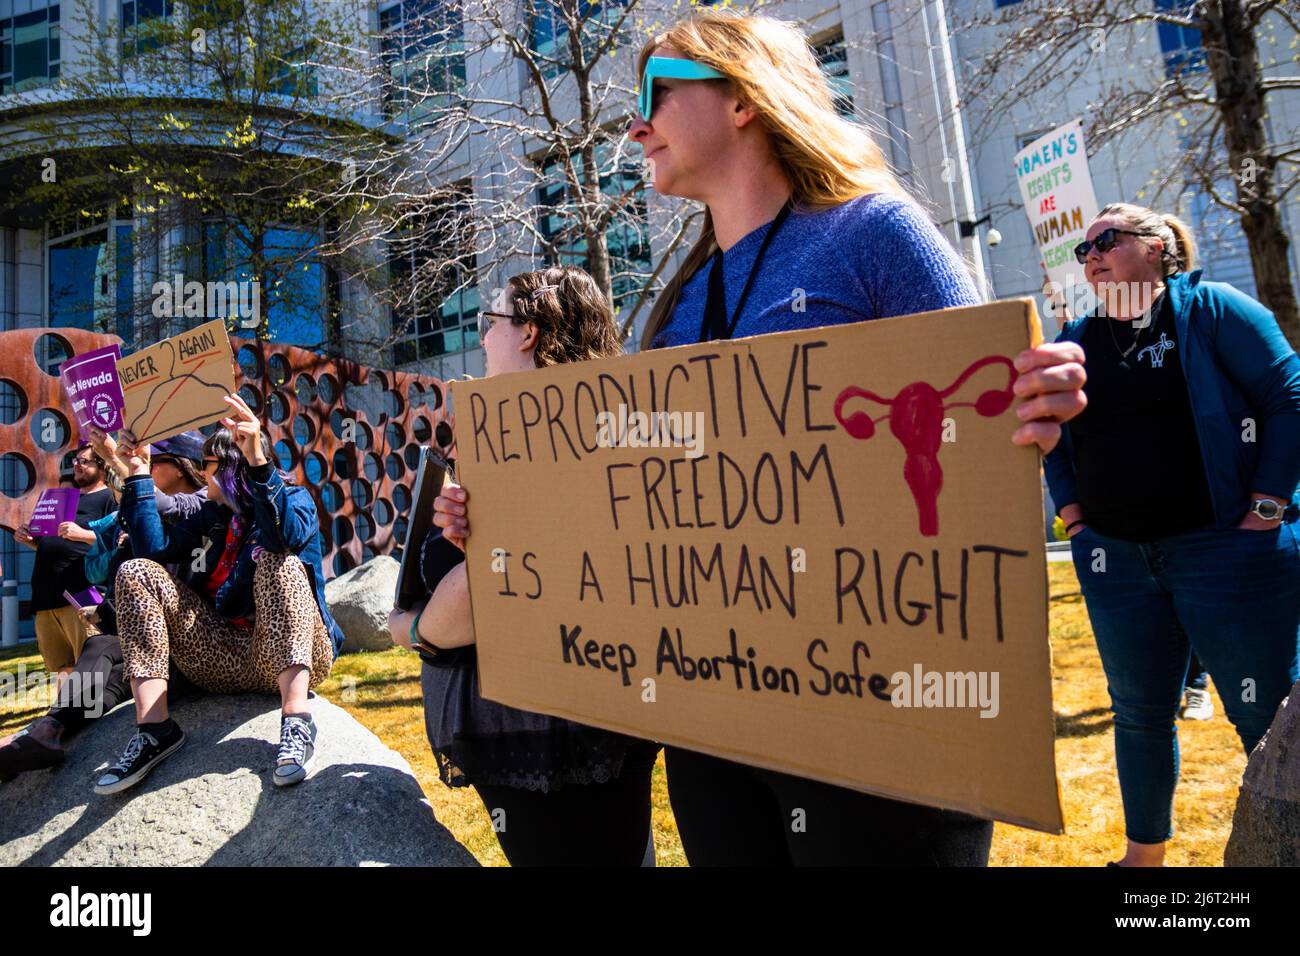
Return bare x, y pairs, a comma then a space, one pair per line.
916, 416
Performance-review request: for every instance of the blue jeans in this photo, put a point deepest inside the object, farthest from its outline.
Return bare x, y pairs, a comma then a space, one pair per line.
1234, 596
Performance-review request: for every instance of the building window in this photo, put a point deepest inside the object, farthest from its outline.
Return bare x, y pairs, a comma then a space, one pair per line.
891, 90
29, 50
627, 236
1182, 47
291, 292
145, 24
833, 56
436, 299
549, 33
92, 273
295, 75
422, 47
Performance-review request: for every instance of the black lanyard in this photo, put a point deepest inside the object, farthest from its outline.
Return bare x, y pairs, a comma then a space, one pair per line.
714, 324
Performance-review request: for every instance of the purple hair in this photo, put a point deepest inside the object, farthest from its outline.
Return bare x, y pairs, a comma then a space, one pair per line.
232, 469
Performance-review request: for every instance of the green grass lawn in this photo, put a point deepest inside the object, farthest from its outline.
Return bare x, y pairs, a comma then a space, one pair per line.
382, 690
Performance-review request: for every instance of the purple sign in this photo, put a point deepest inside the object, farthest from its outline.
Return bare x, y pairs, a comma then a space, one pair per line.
84, 599
91, 381
56, 505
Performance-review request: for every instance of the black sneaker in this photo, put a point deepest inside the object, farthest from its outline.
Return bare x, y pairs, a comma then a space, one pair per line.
143, 752
297, 750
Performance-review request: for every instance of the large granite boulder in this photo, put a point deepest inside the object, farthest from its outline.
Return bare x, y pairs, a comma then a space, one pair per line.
213, 803
360, 601
1266, 824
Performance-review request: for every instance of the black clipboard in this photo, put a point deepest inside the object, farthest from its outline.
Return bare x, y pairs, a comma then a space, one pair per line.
428, 482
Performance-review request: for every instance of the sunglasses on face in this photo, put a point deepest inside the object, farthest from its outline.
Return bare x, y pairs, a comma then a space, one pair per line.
1104, 242
669, 68
210, 461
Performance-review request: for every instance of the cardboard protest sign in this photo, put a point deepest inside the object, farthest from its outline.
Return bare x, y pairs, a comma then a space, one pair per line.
55, 506
90, 379
829, 561
178, 384
1056, 188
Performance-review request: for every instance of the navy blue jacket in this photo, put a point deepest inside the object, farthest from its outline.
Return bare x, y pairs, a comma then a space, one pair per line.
1240, 370
284, 522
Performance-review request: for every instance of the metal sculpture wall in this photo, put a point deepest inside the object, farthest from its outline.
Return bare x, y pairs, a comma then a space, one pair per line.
358, 468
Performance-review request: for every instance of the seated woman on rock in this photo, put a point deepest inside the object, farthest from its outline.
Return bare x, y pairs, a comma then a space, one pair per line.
559, 793
98, 683
245, 613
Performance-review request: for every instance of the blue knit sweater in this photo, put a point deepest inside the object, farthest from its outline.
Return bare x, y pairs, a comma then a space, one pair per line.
868, 258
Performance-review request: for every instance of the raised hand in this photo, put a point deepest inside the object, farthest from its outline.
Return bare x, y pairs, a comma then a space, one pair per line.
135, 455
246, 430
107, 449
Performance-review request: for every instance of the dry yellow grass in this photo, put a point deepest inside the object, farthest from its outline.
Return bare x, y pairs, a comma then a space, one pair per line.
382, 690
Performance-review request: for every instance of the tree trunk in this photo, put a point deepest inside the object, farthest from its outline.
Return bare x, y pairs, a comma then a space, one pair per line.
1233, 58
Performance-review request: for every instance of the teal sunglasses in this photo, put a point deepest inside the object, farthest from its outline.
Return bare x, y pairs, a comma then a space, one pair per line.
669, 68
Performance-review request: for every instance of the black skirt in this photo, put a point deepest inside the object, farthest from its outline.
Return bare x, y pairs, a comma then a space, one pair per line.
478, 741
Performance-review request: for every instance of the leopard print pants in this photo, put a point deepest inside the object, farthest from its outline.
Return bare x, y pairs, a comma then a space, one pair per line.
159, 617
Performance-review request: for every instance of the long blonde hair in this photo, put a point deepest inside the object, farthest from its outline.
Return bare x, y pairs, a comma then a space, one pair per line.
1179, 254
827, 159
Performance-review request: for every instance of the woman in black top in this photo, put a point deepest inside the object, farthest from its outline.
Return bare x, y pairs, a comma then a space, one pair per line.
558, 793
1176, 487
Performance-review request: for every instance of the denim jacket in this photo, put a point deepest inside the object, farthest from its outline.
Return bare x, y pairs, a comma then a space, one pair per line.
1243, 380
284, 522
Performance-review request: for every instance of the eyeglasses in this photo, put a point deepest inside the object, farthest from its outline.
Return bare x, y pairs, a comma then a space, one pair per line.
670, 68
485, 322
84, 462
210, 461
1104, 242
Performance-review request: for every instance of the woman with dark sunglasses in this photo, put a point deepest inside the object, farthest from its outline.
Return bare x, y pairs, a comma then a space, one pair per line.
798, 201
1176, 487
559, 793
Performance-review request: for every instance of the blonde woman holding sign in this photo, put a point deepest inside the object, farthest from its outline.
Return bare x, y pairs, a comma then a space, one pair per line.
801, 206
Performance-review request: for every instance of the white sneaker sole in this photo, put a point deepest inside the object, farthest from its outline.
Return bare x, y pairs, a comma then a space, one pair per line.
126, 783
300, 773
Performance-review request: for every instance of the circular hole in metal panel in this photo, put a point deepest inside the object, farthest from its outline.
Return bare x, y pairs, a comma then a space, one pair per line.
313, 465
17, 476
394, 466
277, 368
277, 408
332, 496
342, 464
50, 430
360, 493
13, 402
250, 364
50, 352
252, 398
305, 388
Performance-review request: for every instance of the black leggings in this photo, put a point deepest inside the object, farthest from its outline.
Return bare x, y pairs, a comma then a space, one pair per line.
595, 824
729, 814
102, 685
